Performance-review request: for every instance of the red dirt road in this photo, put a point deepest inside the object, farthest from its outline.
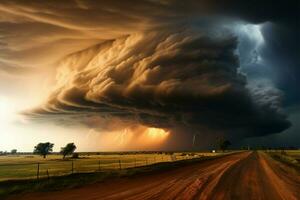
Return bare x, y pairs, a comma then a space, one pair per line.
238, 176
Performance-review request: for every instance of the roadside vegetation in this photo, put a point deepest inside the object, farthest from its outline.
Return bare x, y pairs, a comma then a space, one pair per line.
288, 157
10, 187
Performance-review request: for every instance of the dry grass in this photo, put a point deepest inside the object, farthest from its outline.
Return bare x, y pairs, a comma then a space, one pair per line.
25, 166
8, 187
289, 157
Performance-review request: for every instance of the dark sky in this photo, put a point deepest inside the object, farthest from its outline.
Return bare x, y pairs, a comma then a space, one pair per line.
280, 60
205, 68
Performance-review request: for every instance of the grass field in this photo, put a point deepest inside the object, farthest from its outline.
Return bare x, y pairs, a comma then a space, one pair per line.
27, 167
293, 153
18, 173
289, 157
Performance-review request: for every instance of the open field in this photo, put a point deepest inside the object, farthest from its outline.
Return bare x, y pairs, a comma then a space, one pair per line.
293, 153
27, 167
76, 179
289, 157
245, 175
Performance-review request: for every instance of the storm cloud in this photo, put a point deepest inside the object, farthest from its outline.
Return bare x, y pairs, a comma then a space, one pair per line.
166, 80
164, 64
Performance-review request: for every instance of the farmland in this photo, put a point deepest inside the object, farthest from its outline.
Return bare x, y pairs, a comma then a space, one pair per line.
289, 157
33, 166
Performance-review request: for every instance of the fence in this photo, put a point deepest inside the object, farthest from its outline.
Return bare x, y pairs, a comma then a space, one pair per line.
58, 167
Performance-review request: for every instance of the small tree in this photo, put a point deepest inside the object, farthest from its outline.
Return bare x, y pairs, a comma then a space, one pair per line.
13, 151
68, 149
224, 144
43, 149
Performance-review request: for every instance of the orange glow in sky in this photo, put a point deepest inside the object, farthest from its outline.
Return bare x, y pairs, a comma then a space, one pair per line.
140, 138
157, 134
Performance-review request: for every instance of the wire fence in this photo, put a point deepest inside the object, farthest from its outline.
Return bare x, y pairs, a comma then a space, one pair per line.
58, 167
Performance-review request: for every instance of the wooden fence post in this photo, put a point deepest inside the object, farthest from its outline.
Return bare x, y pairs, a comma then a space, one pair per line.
99, 167
48, 174
72, 166
38, 171
120, 166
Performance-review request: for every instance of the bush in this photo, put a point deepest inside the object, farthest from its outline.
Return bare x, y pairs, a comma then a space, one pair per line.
75, 155
169, 153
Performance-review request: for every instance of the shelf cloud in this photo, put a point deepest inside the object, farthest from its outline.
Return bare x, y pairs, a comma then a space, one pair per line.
164, 79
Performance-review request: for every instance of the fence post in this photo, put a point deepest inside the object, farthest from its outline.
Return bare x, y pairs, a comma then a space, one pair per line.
120, 166
48, 174
72, 166
99, 167
38, 171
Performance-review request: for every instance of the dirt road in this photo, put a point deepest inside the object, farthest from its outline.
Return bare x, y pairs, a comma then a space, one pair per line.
247, 175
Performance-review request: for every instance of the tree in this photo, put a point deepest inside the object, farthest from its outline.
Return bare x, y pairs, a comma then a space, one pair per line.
43, 148
13, 151
224, 144
68, 149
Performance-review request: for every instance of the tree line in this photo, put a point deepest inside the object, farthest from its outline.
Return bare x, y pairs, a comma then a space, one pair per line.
46, 148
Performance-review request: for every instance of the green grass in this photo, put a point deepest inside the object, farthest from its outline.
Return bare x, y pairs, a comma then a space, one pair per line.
9, 187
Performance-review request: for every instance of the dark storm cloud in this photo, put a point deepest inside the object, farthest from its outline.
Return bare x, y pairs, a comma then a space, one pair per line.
258, 11
143, 64
282, 53
166, 80
281, 39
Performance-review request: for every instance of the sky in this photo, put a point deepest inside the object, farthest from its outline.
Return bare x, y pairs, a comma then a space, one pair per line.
149, 74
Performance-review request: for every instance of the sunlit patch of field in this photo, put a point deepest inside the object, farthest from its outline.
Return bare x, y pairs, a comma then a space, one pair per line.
26, 166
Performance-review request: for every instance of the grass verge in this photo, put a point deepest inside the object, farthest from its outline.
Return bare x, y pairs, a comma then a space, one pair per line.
287, 160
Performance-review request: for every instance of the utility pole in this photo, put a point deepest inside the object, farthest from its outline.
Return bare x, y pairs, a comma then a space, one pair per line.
194, 140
